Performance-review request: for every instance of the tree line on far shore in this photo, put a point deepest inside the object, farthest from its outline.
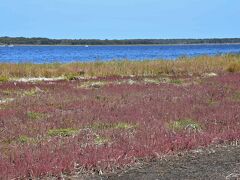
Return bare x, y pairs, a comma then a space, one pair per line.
46, 41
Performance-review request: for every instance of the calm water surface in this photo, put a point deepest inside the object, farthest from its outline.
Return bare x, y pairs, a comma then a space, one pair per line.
65, 54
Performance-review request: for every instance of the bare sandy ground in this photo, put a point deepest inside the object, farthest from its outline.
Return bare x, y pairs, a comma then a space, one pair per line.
220, 163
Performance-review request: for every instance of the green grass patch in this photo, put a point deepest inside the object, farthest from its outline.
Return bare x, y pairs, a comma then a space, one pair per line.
123, 125
100, 140
35, 115
151, 81
32, 92
71, 76
176, 81
7, 92
62, 132
212, 102
119, 125
24, 139
3, 79
184, 124
236, 96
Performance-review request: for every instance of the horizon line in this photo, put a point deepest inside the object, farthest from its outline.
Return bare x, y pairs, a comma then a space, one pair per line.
119, 39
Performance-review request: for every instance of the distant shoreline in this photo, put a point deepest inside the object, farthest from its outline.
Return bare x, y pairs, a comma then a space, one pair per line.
198, 44
38, 41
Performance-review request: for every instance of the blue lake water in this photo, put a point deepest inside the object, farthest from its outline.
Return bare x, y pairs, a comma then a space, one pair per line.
65, 54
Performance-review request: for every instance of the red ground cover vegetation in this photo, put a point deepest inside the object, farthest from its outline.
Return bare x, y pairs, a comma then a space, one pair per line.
49, 128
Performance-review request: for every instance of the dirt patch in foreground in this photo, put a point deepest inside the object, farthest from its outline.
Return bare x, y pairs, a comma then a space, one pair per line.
217, 163
211, 163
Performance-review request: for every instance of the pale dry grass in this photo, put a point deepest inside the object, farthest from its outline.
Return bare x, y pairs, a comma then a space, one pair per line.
182, 66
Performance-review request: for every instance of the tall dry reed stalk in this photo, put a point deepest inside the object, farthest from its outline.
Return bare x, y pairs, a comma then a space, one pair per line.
182, 66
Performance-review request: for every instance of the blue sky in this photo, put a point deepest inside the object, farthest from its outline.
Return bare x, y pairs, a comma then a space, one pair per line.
120, 19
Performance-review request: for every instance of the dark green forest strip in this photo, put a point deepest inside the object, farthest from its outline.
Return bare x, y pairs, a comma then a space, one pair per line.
46, 41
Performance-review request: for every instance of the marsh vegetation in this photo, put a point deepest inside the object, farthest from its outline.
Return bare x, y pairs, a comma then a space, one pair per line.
129, 111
